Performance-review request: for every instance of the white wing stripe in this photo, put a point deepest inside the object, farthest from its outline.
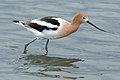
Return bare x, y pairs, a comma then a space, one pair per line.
43, 23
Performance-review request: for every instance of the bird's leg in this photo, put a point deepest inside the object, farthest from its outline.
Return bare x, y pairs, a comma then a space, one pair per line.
46, 48
26, 45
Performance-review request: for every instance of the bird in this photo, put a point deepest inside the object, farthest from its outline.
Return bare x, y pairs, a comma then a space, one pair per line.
52, 27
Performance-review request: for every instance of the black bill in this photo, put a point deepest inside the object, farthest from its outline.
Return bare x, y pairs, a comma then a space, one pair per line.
95, 26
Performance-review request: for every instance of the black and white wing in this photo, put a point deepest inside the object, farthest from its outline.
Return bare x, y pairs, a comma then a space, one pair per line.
46, 23
46, 26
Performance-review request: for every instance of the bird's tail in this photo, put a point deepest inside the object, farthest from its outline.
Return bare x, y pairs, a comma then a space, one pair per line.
16, 21
19, 22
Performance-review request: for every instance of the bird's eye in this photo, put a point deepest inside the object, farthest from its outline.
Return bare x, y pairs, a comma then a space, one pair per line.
83, 17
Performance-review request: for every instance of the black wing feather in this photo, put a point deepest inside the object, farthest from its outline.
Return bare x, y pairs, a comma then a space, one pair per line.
49, 19
42, 27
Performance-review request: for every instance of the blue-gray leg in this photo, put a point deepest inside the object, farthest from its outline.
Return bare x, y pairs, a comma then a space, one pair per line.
26, 45
46, 48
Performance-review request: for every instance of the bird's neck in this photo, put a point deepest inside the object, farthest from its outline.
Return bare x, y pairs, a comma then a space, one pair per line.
75, 23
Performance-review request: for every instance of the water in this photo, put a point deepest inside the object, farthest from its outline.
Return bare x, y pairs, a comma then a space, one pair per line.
88, 54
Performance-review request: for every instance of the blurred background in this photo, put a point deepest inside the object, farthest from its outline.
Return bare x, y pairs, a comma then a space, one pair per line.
88, 54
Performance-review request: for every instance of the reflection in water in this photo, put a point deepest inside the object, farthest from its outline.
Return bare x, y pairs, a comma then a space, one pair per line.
45, 66
51, 61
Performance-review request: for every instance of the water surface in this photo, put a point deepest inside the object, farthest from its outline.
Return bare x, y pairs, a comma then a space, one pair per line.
88, 54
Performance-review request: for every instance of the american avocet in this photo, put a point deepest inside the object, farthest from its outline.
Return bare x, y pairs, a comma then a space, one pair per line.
52, 27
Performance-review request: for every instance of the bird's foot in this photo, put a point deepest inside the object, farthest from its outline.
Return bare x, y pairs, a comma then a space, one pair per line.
25, 52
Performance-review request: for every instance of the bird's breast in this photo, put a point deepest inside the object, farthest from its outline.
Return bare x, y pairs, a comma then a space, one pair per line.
66, 29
